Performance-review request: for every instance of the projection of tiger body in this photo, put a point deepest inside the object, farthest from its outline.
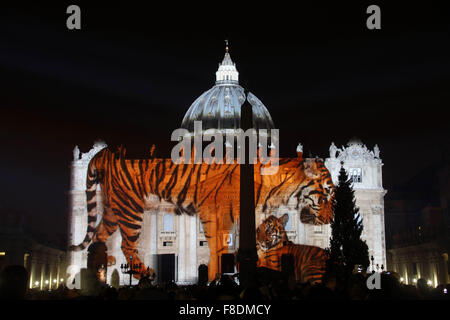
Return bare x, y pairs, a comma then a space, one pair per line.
210, 190
272, 243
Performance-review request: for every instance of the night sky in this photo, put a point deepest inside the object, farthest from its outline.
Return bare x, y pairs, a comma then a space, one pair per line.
130, 74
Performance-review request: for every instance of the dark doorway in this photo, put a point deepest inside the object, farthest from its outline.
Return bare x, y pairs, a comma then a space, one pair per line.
227, 263
287, 264
202, 275
97, 260
166, 267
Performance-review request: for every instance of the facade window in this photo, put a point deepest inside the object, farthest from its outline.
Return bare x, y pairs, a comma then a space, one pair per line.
317, 229
201, 227
355, 175
168, 223
167, 244
288, 226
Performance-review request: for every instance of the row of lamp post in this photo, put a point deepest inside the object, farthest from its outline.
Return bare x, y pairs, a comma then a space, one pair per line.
47, 283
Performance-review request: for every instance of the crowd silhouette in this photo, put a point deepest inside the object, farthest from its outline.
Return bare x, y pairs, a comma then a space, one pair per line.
14, 285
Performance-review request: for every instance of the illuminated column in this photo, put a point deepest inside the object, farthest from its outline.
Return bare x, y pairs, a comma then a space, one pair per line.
445, 267
383, 236
153, 246
182, 248
78, 212
42, 276
50, 273
193, 248
32, 268
58, 272
78, 209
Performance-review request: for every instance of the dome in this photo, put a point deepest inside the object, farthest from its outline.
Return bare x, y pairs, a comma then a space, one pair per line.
354, 141
220, 107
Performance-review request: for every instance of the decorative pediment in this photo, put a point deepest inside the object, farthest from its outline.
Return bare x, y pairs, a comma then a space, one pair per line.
355, 152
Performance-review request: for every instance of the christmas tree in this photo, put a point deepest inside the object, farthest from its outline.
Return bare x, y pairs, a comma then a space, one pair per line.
347, 249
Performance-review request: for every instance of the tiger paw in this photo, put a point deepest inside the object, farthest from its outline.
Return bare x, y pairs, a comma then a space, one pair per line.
150, 273
111, 260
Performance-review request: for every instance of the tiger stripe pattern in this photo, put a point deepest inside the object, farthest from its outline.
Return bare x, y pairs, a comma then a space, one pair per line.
273, 243
129, 187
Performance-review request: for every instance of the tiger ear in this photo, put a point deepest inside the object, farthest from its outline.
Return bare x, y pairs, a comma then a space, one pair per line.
284, 219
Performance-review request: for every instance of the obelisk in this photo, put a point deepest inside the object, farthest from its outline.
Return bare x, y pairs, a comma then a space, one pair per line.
247, 256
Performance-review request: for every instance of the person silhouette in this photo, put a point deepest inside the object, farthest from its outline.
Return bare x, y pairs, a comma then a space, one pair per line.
13, 282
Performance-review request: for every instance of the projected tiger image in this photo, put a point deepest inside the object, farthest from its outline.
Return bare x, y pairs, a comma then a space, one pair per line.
129, 187
210, 154
272, 243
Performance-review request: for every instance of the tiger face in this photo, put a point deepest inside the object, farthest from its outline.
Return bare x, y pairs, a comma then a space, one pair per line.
315, 196
271, 232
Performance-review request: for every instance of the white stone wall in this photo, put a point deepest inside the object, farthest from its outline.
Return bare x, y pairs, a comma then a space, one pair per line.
369, 193
78, 210
187, 234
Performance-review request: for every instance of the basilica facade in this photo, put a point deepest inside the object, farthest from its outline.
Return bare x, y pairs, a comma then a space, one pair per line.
175, 245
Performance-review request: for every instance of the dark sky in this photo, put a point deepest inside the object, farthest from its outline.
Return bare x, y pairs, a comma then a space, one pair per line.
132, 72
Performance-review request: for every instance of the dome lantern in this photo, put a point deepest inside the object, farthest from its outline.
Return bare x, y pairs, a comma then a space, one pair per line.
227, 72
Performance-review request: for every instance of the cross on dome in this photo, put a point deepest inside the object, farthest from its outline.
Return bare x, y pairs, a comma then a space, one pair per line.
227, 72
